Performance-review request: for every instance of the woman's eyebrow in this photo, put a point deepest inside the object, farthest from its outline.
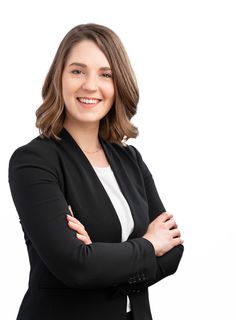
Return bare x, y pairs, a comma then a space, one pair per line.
78, 64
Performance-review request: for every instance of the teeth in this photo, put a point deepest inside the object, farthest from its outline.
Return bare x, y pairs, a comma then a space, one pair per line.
88, 101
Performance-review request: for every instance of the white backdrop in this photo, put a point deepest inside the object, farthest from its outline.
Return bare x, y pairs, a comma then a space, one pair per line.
183, 53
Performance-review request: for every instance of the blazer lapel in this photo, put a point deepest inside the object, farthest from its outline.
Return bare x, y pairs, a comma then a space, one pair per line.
129, 188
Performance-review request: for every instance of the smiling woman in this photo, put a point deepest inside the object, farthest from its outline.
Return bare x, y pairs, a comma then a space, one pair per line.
107, 65
96, 230
88, 92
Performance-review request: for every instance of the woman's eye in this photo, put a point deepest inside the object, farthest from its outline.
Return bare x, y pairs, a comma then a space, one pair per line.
76, 71
107, 75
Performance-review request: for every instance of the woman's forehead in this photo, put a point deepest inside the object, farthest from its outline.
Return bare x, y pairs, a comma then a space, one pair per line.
87, 53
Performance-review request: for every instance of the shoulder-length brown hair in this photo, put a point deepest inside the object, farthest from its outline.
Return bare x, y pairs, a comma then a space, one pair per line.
116, 125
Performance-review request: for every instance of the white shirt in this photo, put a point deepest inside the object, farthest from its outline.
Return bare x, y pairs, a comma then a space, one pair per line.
107, 177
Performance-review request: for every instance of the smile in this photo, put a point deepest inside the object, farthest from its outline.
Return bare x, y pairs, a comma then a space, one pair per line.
89, 101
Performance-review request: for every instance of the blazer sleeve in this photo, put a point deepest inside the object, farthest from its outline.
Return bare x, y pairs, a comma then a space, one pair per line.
42, 210
168, 263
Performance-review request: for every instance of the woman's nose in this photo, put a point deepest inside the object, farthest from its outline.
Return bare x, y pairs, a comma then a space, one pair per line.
90, 83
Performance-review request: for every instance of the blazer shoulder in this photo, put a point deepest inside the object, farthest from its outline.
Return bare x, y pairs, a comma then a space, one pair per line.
137, 158
37, 150
126, 150
133, 151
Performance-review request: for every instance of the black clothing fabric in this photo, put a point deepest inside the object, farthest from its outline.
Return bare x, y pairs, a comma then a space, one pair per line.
70, 280
129, 316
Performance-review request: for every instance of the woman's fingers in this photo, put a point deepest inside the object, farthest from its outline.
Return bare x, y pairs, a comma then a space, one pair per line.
175, 233
83, 238
71, 211
165, 216
171, 223
178, 241
73, 219
77, 226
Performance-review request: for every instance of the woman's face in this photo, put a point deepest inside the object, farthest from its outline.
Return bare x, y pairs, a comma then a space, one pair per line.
87, 84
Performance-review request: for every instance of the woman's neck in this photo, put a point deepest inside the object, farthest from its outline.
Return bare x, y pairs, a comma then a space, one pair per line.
86, 136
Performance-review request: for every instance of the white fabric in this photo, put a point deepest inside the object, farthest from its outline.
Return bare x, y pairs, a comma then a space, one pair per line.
107, 177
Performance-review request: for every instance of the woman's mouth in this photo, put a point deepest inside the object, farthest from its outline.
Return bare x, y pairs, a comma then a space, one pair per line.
88, 102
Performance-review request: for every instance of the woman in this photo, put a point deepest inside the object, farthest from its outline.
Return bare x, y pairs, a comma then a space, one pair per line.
96, 230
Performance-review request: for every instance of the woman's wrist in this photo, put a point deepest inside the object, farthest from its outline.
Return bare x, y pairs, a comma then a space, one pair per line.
148, 238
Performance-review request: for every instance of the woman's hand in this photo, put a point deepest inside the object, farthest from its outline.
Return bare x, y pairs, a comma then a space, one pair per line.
75, 225
163, 233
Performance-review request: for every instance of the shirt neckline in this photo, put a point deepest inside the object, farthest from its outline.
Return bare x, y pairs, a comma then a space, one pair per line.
107, 168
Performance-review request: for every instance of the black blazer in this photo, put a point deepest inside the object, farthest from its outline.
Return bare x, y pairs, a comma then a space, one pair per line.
69, 280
